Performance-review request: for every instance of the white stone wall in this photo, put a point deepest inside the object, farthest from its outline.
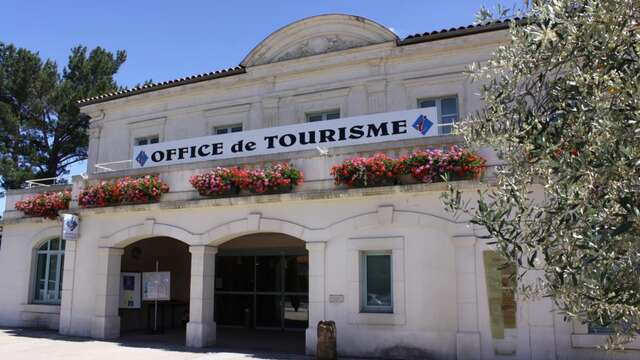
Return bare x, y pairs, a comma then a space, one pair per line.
17, 266
440, 300
377, 78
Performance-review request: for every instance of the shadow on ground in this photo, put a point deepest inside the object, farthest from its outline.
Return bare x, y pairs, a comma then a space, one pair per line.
250, 343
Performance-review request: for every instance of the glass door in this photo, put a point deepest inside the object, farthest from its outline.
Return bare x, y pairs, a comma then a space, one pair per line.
262, 291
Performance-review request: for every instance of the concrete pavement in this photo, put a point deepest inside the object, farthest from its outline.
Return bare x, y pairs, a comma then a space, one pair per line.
23, 344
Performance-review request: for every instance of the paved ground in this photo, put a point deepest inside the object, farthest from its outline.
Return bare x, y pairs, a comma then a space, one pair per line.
49, 345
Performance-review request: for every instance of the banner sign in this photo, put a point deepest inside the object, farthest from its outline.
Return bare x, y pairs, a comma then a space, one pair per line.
70, 227
366, 129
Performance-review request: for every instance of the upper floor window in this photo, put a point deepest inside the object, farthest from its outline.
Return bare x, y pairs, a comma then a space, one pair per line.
154, 139
376, 282
448, 114
323, 115
49, 266
227, 129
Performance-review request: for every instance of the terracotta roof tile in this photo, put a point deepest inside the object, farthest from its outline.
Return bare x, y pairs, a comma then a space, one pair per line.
411, 39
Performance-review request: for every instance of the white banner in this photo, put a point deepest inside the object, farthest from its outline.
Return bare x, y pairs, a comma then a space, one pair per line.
399, 125
70, 227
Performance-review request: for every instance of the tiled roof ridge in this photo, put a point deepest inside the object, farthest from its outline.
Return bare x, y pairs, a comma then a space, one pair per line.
461, 31
162, 85
408, 40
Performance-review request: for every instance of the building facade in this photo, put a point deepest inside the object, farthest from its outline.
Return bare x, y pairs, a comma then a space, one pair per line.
400, 277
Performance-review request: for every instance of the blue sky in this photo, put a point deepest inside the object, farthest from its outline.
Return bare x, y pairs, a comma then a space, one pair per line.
170, 39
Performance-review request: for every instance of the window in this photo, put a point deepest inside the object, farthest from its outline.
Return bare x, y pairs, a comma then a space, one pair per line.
147, 140
447, 112
49, 265
599, 329
227, 129
376, 283
323, 115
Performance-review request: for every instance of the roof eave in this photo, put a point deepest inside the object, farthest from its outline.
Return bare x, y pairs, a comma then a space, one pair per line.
165, 85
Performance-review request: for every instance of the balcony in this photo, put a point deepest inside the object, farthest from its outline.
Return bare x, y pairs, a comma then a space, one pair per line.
315, 164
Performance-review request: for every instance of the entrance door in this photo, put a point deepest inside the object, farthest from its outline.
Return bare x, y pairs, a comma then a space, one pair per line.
265, 291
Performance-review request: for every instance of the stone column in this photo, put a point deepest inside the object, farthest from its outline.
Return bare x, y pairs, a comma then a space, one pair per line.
67, 286
317, 296
468, 336
106, 322
201, 329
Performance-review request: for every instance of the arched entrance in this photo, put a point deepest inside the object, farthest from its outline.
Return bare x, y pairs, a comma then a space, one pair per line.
262, 293
143, 312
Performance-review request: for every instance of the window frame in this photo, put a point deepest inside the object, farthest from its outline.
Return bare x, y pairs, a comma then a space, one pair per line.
229, 128
49, 253
324, 114
364, 307
438, 104
149, 140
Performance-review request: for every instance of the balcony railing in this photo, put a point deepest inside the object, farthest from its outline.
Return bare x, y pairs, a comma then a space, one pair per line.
315, 164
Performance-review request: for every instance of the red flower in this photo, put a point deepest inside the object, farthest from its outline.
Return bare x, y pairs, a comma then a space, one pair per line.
45, 204
122, 191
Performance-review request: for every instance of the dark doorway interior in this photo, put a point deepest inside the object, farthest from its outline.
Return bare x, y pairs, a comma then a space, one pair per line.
172, 256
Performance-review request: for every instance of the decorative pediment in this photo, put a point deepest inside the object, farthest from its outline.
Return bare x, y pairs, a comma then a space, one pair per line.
318, 35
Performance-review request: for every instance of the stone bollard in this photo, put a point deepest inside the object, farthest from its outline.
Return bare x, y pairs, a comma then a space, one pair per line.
326, 348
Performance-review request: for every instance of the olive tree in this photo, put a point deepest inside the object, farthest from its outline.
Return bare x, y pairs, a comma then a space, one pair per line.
562, 112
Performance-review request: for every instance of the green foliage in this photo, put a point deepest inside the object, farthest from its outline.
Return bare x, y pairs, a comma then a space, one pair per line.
562, 113
41, 129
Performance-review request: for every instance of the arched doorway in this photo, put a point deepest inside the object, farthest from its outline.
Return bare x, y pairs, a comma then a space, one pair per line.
144, 315
261, 293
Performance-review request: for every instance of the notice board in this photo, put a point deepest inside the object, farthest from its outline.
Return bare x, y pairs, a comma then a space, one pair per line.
156, 286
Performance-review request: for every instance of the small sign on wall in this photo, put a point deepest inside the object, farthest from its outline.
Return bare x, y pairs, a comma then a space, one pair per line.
70, 227
130, 292
336, 298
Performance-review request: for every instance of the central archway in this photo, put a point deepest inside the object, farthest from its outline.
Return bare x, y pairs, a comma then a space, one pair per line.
262, 293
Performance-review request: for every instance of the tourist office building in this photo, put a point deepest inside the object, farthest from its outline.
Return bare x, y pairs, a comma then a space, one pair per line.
398, 275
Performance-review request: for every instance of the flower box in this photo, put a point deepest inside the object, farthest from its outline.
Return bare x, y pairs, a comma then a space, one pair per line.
278, 178
123, 191
46, 205
377, 170
220, 182
434, 165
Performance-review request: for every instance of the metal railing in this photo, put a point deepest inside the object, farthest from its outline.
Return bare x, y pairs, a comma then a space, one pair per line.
109, 166
44, 182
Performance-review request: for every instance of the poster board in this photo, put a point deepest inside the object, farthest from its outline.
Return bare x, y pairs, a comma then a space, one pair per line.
130, 290
156, 286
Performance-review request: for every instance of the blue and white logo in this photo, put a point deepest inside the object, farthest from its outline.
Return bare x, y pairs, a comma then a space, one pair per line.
422, 124
71, 227
142, 158
71, 224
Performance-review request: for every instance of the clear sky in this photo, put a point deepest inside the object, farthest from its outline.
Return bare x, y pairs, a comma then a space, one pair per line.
171, 39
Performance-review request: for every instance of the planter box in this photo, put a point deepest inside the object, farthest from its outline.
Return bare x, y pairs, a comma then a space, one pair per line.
234, 191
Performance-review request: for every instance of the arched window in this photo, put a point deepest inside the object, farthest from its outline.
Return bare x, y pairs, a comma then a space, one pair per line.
48, 281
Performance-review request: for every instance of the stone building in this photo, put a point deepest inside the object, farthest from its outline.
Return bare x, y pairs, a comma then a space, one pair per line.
399, 276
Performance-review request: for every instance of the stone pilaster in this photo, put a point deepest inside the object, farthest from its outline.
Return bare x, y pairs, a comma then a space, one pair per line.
67, 287
468, 336
201, 328
106, 322
317, 295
